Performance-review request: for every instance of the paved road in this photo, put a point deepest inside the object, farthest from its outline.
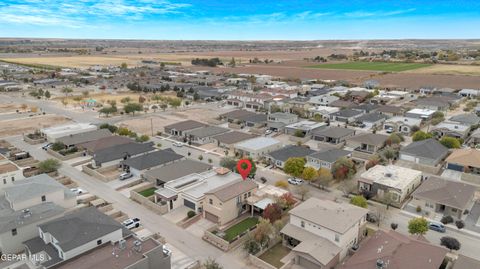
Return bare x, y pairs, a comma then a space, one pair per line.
194, 247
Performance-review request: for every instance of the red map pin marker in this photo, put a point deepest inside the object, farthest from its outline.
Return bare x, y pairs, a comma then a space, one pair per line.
244, 166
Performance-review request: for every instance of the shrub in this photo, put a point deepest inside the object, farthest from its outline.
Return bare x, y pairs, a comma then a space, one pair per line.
191, 214
460, 224
419, 209
282, 184
446, 219
394, 226
200, 157
57, 146
359, 200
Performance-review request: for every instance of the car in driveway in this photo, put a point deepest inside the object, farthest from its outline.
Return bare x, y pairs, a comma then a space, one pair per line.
267, 132
47, 146
125, 175
389, 130
436, 227
178, 144
295, 181
78, 191
131, 223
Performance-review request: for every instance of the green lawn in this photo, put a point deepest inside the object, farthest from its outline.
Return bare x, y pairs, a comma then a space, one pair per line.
148, 192
372, 66
275, 254
239, 228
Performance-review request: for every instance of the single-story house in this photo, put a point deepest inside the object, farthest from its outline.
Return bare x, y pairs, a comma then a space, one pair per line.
390, 111
471, 93
174, 170
322, 100
204, 135
76, 139
452, 129
113, 155
346, 115
419, 113
366, 143
141, 163
326, 158
236, 115
371, 120
403, 125
397, 181
474, 139
280, 156
285, 118
306, 127
324, 111
257, 147
426, 152
228, 140
333, 135
343, 104
466, 119
55, 132
102, 143
180, 128
445, 197
367, 108
464, 160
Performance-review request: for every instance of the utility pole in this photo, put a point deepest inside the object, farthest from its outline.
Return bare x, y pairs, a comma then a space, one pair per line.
151, 125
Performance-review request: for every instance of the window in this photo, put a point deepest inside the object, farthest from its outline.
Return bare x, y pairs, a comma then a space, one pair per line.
249, 194
14, 232
210, 201
302, 224
245, 195
4, 181
44, 198
13, 179
337, 238
99, 242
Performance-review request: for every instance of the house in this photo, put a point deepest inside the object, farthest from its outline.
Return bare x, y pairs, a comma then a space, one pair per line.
451, 129
464, 262
466, 119
9, 172
236, 115
276, 121
402, 125
426, 152
474, 139
174, 170
113, 155
366, 143
367, 108
203, 135
87, 238
470, 93
27, 204
333, 135
180, 128
437, 103
190, 190
444, 197
322, 100
393, 250
324, 111
326, 158
280, 156
55, 132
346, 115
320, 232
102, 143
229, 201
228, 140
255, 121
304, 127
371, 120
85, 137
419, 113
141, 163
343, 104
390, 111
399, 182
258, 147
464, 160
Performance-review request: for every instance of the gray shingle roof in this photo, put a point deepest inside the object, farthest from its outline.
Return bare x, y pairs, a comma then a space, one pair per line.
207, 131
80, 227
233, 189
10, 219
75, 139
468, 118
369, 139
105, 142
237, 114
371, 117
233, 137
330, 155
290, 151
35, 186
185, 125
446, 192
429, 148
119, 151
335, 132
152, 159
177, 170
255, 118
347, 113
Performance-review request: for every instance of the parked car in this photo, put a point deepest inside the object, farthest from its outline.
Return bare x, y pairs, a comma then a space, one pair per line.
295, 181
267, 132
436, 227
131, 223
389, 130
125, 175
78, 191
372, 218
47, 146
263, 180
178, 144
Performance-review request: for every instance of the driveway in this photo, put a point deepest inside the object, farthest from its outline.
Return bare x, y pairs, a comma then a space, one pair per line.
199, 227
178, 214
455, 175
472, 218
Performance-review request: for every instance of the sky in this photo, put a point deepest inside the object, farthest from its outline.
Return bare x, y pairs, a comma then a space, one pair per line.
240, 19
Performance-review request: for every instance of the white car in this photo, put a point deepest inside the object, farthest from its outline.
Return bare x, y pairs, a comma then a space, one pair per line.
295, 181
131, 223
178, 144
78, 191
389, 130
267, 132
125, 175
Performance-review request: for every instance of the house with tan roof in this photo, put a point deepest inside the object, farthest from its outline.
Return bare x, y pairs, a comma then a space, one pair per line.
227, 202
392, 250
445, 197
320, 232
464, 160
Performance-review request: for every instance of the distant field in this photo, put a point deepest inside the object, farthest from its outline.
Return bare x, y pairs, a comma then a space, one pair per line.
372, 66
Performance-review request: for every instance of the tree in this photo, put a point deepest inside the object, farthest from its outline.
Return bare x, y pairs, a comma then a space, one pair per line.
143, 138
251, 246
107, 110
450, 243
125, 100
282, 184
294, 166
389, 153
49, 165
175, 102
196, 96
66, 91
394, 226
212, 264
111, 128
303, 191
343, 168
228, 162
57, 146
359, 200
347, 186
450, 142
272, 212
418, 226
286, 200
163, 106
317, 118
324, 177
47, 94
264, 231
132, 108
141, 99
421, 135
309, 173
394, 139
123, 66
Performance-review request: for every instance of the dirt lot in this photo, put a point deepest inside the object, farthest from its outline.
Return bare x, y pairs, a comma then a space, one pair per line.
445, 69
143, 126
19, 126
5, 108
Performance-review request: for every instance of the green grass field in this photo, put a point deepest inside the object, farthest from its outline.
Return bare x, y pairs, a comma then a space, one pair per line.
239, 228
148, 192
372, 66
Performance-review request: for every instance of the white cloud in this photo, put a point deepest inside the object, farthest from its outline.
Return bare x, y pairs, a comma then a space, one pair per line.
364, 14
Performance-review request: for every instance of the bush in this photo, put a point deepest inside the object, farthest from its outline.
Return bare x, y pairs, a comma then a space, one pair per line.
191, 214
394, 226
282, 184
359, 200
460, 224
49, 165
200, 157
419, 209
446, 219
57, 146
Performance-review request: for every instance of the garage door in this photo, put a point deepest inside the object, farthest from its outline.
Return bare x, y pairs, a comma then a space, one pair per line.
211, 217
189, 204
307, 263
455, 167
407, 157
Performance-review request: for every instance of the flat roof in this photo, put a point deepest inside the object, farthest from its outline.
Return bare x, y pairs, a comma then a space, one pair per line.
258, 143
391, 175
7, 167
426, 112
63, 130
